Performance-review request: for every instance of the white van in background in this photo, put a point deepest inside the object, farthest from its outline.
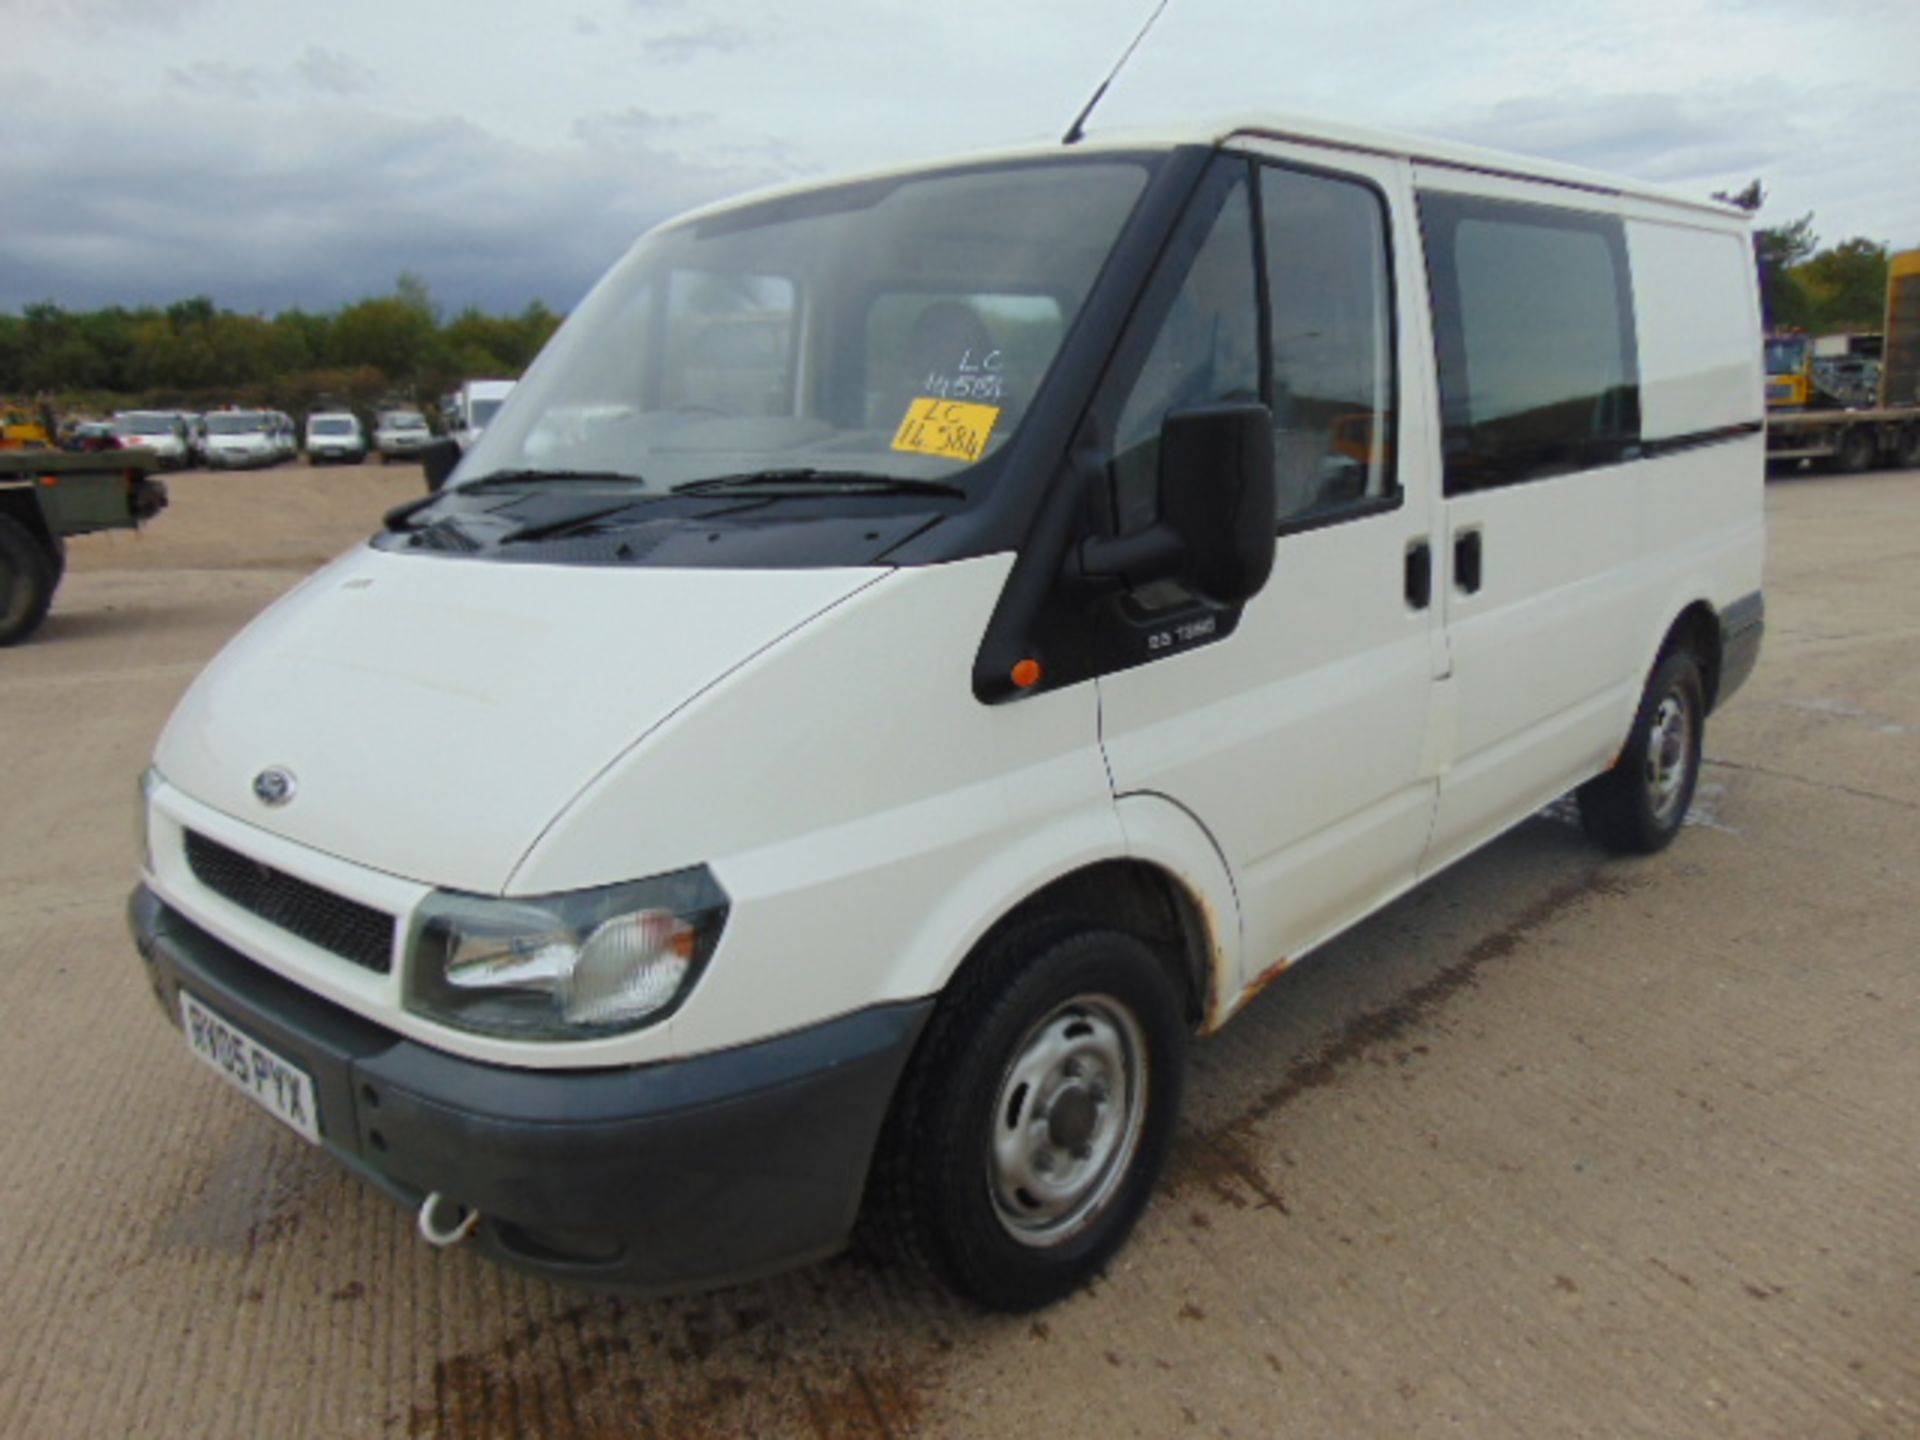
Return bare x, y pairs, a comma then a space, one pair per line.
335, 436
919, 649
161, 431
470, 408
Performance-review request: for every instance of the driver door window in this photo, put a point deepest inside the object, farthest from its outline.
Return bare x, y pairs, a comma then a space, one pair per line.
1207, 352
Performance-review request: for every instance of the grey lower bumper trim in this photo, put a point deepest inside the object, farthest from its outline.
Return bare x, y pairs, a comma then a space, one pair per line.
1742, 625
674, 1176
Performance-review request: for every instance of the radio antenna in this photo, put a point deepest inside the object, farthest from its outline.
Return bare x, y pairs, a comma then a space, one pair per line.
1079, 127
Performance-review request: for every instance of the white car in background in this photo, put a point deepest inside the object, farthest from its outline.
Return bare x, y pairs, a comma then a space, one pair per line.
401, 434
242, 439
157, 430
335, 436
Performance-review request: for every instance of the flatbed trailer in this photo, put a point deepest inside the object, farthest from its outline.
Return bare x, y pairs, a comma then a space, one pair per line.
50, 496
1845, 440
1854, 438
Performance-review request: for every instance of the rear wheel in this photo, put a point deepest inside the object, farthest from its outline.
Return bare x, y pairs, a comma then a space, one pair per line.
1856, 451
1638, 806
27, 580
1036, 1115
1906, 450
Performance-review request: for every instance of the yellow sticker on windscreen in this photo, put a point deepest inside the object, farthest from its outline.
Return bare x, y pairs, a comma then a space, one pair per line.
952, 428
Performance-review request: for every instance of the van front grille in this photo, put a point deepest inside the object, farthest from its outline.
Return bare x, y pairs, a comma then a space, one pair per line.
349, 929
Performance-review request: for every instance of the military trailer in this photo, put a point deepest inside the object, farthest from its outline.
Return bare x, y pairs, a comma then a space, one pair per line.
47, 496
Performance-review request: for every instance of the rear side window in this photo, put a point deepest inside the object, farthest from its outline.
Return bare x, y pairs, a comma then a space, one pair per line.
1533, 325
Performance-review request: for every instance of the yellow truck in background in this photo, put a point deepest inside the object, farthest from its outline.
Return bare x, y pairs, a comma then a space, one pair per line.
1818, 409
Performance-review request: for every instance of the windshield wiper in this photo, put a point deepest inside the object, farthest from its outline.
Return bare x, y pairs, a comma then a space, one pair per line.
587, 522
507, 479
803, 481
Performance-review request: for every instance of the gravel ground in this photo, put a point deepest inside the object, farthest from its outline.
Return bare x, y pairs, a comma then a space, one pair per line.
1557, 1145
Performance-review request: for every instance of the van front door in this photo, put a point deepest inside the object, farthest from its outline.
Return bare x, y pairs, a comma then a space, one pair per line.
1297, 740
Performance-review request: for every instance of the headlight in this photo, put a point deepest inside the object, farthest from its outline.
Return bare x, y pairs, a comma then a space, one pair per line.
564, 967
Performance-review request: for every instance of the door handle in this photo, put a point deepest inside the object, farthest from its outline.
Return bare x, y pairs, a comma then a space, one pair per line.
1466, 562
1419, 582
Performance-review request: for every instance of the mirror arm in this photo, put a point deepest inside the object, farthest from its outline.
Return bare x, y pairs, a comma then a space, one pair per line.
1101, 564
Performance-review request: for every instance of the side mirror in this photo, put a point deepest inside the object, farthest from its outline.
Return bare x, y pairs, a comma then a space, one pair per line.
1217, 494
1218, 510
438, 460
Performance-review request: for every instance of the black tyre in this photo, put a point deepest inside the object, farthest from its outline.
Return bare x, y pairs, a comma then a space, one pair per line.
1638, 806
1035, 1117
1906, 450
1856, 451
27, 581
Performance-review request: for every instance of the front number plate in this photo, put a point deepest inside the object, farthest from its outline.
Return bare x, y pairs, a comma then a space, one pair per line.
279, 1086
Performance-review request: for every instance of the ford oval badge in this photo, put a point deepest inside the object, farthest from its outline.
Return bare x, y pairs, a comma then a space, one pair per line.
274, 786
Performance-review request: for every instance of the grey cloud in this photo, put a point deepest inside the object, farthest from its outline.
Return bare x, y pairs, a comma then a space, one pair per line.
1803, 140
1652, 136
333, 72
110, 208
634, 126
684, 45
218, 80
95, 15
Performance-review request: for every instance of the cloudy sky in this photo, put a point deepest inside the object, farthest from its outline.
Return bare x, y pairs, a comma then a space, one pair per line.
270, 154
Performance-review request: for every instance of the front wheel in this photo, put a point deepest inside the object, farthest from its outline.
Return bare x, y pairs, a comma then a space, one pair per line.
27, 582
1036, 1115
1638, 806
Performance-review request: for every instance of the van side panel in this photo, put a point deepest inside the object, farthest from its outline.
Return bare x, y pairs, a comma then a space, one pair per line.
1585, 557
1701, 488
1541, 537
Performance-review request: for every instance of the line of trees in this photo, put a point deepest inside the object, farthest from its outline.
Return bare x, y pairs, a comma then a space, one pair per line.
193, 355
1804, 286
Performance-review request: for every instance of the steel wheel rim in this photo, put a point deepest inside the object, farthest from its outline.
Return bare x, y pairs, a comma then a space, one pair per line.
1669, 756
1067, 1118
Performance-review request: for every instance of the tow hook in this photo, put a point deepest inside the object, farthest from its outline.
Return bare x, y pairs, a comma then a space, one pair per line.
445, 1223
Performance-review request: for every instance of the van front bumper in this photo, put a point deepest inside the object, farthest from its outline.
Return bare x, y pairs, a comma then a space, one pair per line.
675, 1176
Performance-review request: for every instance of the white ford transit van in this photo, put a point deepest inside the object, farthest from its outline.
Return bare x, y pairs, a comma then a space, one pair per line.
916, 651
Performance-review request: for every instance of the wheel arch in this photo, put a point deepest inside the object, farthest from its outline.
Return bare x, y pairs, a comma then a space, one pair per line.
1697, 629
1129, 894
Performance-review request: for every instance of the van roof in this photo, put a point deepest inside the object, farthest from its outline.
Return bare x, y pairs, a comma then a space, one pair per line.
1221, 130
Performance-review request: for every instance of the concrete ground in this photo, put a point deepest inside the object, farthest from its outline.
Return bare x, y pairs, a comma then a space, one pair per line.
1558, 1145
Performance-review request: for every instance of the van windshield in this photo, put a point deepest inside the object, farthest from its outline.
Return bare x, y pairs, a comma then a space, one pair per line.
236, 422
896, 328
